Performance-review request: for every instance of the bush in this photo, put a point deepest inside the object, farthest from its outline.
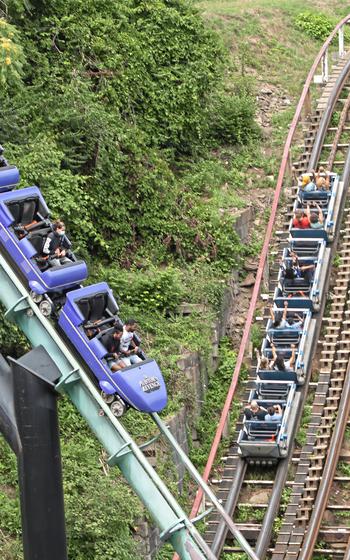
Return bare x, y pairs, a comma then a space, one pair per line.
318, 26
12, 341
232, 119
147, 290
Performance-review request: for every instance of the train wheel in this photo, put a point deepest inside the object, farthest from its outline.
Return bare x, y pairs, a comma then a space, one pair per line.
45, 308
108, 399
118, 407
37, 298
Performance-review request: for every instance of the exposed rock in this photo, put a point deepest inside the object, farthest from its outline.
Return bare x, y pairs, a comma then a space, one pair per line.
261, 497
329, 517
248, 281
250, 265
266, 91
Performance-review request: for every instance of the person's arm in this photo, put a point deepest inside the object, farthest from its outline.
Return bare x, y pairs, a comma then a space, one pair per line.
46, 248
320, 214
272, 315
293, 356
274, 353
308, 211
258, 358
285, 310
307, 267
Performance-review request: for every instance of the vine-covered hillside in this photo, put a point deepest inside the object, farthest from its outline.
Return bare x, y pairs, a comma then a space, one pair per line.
106, 103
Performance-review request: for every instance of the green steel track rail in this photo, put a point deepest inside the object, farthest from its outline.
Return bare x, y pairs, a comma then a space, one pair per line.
173, 523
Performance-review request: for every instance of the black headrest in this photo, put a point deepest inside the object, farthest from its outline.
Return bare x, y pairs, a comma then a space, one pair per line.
84, 307
98, 304
30, 208
15, 209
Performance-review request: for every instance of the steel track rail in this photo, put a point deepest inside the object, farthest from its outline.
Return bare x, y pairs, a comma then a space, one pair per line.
334, 361
282, 469
321, 499
281, 475
324, 490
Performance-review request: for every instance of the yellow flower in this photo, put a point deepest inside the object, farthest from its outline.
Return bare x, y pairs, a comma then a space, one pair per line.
5, 44
7, 61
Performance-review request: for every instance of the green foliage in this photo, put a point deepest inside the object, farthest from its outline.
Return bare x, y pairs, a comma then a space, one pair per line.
249, 513
234, 556
335, 118
12, 342
153, 289
115, 97
316, 25
344, 468
256, 336
301, 435
219, 383
232, 119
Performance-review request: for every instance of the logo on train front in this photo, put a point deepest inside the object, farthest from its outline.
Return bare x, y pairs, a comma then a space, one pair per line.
150, 384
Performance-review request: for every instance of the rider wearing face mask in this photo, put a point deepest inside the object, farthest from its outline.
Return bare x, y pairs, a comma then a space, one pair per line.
57, 245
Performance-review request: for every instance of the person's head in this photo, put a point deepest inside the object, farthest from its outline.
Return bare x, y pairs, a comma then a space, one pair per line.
321, 169
279, 362
313, 218
289, 272
277, 319
264, 362
130, 325
254, 407
118, 331
290, 320
59, 227
305, 180
299, 214
320, 183
271, 410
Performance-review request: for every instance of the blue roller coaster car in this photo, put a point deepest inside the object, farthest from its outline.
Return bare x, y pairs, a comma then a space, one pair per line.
9, 177
94, 308
24, 226
262, 441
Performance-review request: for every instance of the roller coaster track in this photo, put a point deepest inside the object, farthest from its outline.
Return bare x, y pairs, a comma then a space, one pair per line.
76, 382
333, 381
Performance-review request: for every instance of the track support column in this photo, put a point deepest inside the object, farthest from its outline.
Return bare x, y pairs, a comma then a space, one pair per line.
325, 68
341, 42
29, 422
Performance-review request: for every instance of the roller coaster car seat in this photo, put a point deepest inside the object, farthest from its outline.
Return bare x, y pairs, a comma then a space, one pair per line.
272, 391
321, 197
97, 309
29, 214
295, 285
262, 430
37, 239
